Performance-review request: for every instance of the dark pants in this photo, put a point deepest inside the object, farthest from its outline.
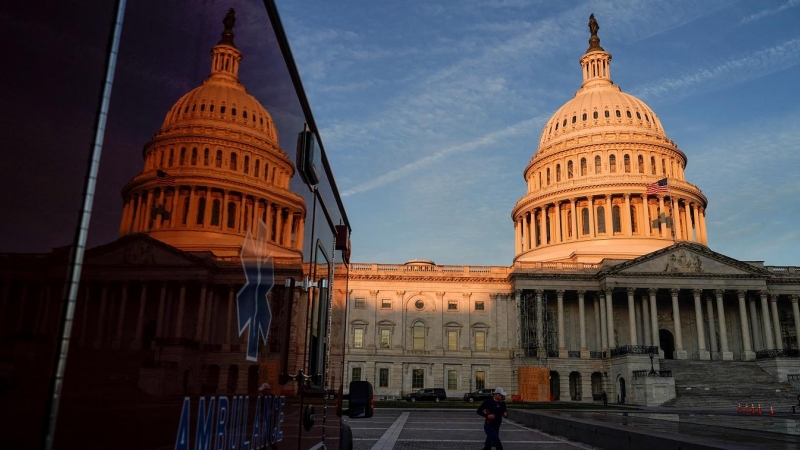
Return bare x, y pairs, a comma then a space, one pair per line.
492, 438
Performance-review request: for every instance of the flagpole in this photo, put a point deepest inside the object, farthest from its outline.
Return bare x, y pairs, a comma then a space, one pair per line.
672, 211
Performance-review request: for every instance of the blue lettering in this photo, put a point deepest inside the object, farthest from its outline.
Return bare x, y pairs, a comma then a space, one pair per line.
222, 422
182, 440
255, 439
265, 406
281, 401
205, 424
233, 426
243, 421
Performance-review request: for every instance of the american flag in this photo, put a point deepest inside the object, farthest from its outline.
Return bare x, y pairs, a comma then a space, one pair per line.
658, 187
164, 179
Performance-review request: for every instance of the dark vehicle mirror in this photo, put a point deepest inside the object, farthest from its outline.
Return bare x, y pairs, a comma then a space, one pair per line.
362, 401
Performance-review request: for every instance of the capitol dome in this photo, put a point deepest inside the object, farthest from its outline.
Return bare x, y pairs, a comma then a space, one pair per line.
214, 170
605, 182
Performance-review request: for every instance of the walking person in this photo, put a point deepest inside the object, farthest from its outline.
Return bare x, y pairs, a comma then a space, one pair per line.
493, 409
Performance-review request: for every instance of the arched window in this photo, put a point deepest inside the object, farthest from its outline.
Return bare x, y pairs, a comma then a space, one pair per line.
653, 165
548, 176
558, 173
585, 221
606, 114
663, 166
641, 164
182, 159
255, 169
627, 163
185, 214
583, 117
418, 335
233, 161
171, 155
569, 223
616, 219
583, 167
161, 158
246, 164
540, 179
634, 226
597, 165
594, 114
231, 215
218, 160
205, 157
628, 113
194, 156
215, 213
201, 210
547, 228
601, 219
266, 170
618, 114
612, 163
569, 170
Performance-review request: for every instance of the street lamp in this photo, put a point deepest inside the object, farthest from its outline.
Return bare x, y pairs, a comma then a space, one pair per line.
651, 353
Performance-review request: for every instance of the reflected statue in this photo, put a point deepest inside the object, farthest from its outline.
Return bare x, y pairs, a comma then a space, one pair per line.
593, 25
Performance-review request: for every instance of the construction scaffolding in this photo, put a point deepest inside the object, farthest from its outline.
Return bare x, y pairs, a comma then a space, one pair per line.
537, 336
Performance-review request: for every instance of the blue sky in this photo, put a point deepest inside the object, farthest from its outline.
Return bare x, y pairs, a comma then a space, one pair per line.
429, 111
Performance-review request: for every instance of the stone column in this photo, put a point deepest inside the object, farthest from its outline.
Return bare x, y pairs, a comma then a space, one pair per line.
687, 221
627, 215
646, 333
712, 330
796, 315
770, 345
582, 322
748, 354
517, 232
609, 222
646, 216
148, 212
562, 340
201, 308
192, 214
704, 240
174, 214
557, 238
181, 311
727, 355
776, 321
680, 353
610, 317
574, 223
632, 316
542, 223
101, 317
226, 343
758, 343
592, 221
121, 318
540, 352
161, 304
703, 354
654, 320
160, 218
137, 339
662, 223
597, 339
603, 322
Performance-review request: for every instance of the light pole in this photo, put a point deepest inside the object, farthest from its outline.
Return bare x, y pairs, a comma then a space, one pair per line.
651, 352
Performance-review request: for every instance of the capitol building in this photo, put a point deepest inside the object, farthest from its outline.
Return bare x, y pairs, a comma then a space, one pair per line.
612, 277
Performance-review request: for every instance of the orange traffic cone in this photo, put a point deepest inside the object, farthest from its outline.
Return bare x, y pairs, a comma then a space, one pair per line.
739, 408
771, 411
759, 409
746, 408
753, 408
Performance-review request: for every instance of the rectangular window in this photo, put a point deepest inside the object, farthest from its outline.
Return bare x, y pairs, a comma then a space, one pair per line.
480, 341
360, 302
386, 338
480, 380
479, 306
356, 374
452, 379
386, 303
383, 378
418, 379
452, 340
358, 338
452, 305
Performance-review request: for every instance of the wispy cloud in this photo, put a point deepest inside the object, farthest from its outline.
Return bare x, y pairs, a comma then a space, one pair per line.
486, 140
768, 12
735, 71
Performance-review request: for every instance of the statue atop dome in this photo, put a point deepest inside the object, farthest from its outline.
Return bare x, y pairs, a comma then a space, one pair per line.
594, 41
227, 33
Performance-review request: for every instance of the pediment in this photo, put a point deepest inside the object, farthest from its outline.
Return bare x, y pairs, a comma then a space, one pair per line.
140, 251
685, 259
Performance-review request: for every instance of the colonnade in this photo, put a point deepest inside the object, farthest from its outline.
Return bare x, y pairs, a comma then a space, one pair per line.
572, 219
206, 208
760, 329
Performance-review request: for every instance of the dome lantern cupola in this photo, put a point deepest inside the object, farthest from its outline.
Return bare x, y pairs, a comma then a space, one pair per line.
225, 56
596, 62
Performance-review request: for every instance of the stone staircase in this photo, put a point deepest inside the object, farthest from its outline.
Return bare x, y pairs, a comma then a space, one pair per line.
723, 384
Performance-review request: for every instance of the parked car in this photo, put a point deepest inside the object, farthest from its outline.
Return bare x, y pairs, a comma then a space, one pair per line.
435, 394
479, 395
